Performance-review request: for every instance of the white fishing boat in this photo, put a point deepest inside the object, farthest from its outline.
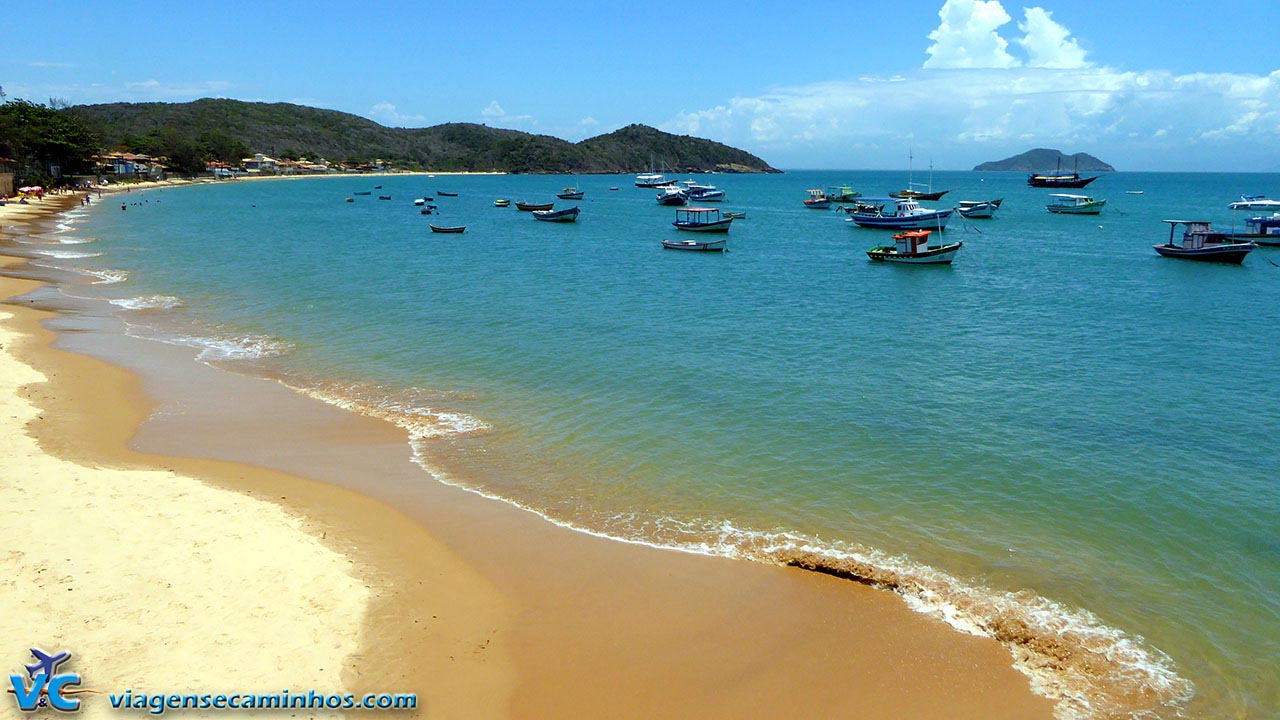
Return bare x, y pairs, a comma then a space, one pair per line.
908, 215
1067, 204
978, 208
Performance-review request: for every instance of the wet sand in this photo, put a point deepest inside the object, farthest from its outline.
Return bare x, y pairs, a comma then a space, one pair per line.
522, 618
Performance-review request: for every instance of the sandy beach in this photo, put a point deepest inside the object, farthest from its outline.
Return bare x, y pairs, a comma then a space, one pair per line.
222, 532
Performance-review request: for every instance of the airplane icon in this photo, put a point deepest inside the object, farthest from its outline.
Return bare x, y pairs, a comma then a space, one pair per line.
48, 663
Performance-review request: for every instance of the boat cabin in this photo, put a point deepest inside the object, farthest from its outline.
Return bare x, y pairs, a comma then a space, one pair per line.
912, 241
1196, 234
1264, 224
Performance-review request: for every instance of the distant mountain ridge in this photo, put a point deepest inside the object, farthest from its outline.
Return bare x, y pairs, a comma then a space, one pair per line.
282, 128
1044, 160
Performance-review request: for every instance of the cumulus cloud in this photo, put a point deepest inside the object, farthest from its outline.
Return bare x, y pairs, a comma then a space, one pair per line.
967, 36
495, 115
1047, 43
973, 100
387, 114
964, 116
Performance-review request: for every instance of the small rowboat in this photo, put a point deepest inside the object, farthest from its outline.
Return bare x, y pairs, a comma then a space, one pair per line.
501, 203
442, 193
566, 215
448, 228
529, 207
696, 245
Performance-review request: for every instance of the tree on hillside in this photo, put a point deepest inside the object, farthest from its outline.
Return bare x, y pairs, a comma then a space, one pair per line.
42, 139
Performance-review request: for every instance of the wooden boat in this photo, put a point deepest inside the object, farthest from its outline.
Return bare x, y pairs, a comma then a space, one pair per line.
673, 196
978, 208
448, 228
566, 215
917, 195
911, 193
1066, 204
817, 200
529, 207
705, 193
428, 209
570, 193
739, 215
701, 220
719, 245
442, 193
384, 197
369, 192
1261, 230
912, 247
1059, 179
842, 194
1201, 242
907, 216
501, 203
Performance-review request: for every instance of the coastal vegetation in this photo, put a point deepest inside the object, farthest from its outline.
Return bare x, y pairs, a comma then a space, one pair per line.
190, 134
38, 141
1045, 160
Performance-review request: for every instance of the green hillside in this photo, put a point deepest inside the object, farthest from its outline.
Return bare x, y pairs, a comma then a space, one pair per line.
229, 129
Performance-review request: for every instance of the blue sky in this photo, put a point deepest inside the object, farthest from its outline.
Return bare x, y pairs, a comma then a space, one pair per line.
1140, 84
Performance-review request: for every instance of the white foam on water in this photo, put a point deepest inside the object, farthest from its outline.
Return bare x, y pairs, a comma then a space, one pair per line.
66, 254
148, 302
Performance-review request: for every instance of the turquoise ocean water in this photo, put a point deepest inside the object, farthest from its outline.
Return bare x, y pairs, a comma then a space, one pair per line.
1063, 440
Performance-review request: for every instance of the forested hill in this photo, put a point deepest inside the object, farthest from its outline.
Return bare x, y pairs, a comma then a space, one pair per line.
1048, 160
283, 130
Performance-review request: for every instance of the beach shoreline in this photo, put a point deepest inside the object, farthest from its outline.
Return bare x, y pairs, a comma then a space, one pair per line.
618, 619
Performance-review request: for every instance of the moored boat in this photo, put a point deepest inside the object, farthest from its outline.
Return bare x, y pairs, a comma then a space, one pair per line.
1201, 242
978, 208
566, 215
1059, 180
1255, 202
817, 200
718, 245
1067, 204
1261, 230
500, 202
842, 194
673, 196
448, 228
529, 207
705, 193
908, 215
912, 247
701, 220
442, 193
652, 179
570, 193
735, 215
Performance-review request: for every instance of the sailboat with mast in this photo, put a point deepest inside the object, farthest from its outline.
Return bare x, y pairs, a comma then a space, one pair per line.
1059, 179
911, 193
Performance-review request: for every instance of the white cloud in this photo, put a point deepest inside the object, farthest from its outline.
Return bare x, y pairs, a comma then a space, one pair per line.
493, 111
967, 36
387, 114
964, 116
1047, 43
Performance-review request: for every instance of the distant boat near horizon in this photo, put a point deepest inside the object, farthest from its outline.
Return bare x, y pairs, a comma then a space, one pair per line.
1067, 204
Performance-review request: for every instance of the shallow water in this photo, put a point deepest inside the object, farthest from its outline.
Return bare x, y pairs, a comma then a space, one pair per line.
1062, 440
